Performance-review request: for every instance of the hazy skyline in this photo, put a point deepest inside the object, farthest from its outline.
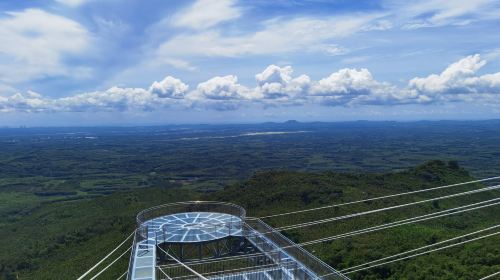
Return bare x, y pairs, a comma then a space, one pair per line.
72, 62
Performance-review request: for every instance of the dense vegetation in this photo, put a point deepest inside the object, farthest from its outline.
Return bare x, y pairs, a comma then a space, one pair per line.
61, 240
278, 192
69, 195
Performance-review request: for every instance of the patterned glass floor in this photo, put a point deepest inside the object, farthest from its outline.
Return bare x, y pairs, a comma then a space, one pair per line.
195, 227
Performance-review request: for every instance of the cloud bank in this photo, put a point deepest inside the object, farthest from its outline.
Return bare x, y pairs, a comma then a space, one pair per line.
277, 86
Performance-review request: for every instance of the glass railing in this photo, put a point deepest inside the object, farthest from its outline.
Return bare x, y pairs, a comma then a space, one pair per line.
279, 247
220, 228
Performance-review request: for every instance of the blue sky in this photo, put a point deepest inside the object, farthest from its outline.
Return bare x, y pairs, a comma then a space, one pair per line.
101, 62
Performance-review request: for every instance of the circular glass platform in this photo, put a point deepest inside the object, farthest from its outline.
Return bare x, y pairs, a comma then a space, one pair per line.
192, 227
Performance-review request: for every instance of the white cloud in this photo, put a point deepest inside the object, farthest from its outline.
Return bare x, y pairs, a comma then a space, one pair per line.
113, 99
276, 86
349, 86
29, 102
167, 92
161, 94
35, 43
221, 93
434, 13
275, 37
302, 34
459, 78
179, 64
169, 87
277, 82
204, 14
345, 81
222, 88
335, 50
307, 34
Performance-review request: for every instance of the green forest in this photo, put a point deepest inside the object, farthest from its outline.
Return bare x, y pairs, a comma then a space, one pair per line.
73, 235
69, 196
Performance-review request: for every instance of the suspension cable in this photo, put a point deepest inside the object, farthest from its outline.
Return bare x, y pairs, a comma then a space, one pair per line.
370, 229
384, 209
423, 253
379, 197
490, 276
390, 225
107, 256
109, 265
121, 276
423, 247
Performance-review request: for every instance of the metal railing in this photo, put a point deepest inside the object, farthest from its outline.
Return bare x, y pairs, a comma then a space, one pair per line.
277, 246
137, 238
276, 253
186, 207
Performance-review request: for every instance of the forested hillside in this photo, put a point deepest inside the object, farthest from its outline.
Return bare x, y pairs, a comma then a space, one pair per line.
280, 192
60, 240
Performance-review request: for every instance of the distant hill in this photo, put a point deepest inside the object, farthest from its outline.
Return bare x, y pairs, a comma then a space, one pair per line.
265, 191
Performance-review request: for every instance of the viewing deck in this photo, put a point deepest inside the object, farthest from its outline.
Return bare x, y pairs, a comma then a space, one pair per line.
209, 240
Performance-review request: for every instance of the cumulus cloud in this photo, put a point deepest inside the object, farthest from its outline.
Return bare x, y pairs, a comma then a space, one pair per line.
161, 94
113, 99
222, 88
277, 86
459, 78
346, 81
349, 86
167, 92
35, 44
275, 74
29, 102
276, 82
169, 87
